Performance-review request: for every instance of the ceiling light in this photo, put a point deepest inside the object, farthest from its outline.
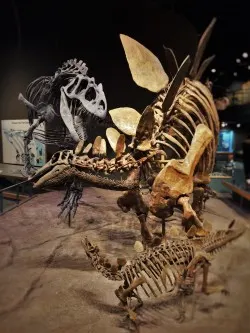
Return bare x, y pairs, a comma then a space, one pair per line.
213, 70
238, 125
235, 73
248, 67
245, 55
223, 124
238, 60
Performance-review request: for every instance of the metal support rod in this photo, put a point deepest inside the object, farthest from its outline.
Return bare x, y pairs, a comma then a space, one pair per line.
12, 186
17, 197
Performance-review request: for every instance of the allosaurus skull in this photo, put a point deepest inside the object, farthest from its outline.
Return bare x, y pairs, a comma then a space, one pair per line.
90, 95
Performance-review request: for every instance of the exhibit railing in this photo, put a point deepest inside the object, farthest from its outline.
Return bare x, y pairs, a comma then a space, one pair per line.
14, 195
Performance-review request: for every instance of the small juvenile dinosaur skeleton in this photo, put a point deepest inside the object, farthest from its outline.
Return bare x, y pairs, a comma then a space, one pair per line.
163, 269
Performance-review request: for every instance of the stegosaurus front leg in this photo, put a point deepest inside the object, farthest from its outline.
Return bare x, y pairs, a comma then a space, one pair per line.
133, 200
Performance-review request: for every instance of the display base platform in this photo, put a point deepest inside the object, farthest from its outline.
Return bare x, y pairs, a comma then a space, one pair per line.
47, 284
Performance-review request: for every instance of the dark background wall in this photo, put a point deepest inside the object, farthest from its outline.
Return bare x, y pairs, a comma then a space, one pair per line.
37, 37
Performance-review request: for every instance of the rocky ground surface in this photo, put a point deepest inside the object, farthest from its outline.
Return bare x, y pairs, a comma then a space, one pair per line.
47, 284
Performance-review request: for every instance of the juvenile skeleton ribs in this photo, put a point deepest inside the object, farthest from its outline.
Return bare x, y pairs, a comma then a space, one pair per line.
168, 268
175, 180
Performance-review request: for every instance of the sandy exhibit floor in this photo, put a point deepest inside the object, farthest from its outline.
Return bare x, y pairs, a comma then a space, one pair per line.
47, 284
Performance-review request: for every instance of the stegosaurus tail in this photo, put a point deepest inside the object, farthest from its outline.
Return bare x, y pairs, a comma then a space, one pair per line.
102, 264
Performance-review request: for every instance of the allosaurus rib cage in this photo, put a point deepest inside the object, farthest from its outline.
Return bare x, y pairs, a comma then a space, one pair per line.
37, 90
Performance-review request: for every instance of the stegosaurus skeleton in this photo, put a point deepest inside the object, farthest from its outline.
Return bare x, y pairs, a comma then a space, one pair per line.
182, 123
172, 124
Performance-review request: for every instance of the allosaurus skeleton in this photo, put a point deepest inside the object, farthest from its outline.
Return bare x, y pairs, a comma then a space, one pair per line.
72, 96
73, 99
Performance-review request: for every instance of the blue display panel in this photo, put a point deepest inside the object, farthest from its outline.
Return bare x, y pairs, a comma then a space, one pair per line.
226, 140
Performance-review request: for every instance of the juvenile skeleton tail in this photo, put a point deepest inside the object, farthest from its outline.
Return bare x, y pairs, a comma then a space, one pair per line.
102, 264
218, 240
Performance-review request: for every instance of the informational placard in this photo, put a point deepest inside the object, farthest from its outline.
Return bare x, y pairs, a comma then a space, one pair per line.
226, 141
13, 143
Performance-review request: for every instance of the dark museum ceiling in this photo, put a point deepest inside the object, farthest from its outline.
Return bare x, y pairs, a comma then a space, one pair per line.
52, 18
69, 27
231, 37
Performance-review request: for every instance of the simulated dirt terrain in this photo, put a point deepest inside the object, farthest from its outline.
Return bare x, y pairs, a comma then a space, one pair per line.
47, 283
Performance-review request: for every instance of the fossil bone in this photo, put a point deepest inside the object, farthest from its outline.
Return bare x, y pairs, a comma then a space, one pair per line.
113, 135
92, 97
168, 147
79, 148
138, 246
201, 48
171, 62
87, 148
126, 119
103, 148
67, 116
175, 85
72, 96
97, 145
120, 145
176, 178
166, 268
203, 67
145, 129
145, 67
